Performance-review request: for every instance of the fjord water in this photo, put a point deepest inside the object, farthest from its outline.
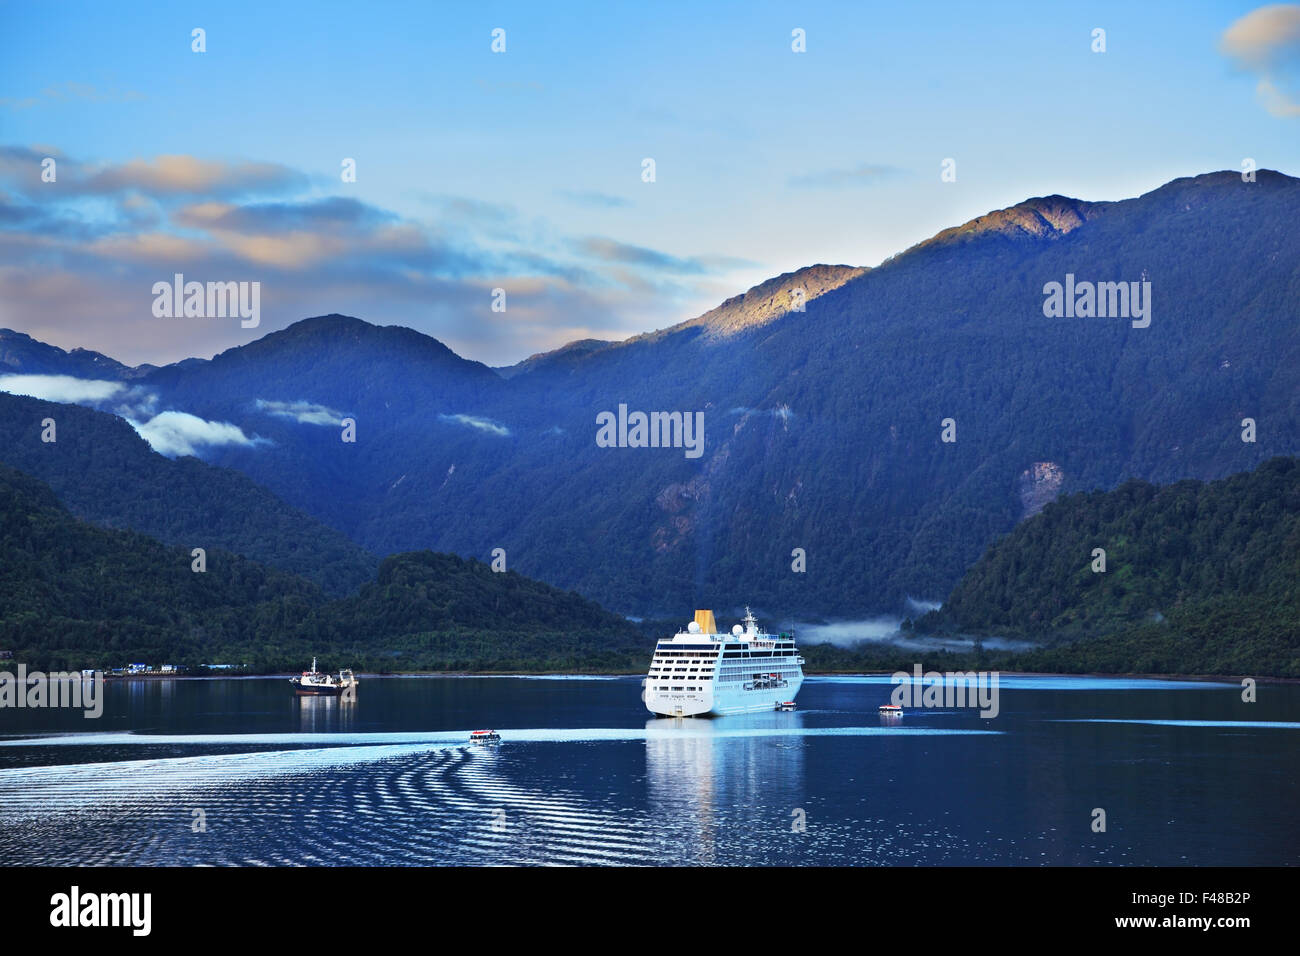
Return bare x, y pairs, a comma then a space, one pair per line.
1186, 772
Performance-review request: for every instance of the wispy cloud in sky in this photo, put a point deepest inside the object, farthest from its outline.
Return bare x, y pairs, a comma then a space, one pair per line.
1266, 42
524, 171
70, 90
159, 176
92, 243
593, 199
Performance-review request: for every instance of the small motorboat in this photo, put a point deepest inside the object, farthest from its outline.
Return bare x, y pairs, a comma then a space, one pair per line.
890, 710
785, 705
484, 737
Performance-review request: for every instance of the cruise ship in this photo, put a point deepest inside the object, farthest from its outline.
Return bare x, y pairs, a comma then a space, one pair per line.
700, 671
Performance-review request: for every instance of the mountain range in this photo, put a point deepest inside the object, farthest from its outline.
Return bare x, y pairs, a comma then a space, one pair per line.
827, 394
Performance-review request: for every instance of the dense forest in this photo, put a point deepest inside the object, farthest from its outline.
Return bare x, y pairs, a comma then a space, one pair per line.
75, 595
1199, 578
822, 427
107, 474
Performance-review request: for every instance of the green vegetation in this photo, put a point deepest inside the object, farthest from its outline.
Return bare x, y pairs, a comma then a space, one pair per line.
1200, 578
822, 427
106, 473
73, 595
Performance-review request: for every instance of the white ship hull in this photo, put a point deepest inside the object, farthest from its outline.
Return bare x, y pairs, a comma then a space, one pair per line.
700, 672
726, 700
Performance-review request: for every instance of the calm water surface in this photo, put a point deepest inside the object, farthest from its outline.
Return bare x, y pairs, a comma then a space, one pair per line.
1186, 773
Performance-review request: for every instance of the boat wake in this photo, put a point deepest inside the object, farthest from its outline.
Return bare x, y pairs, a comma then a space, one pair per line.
386, 799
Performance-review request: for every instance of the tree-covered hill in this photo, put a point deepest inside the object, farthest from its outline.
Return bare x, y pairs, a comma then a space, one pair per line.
106, 473
1199, 578
81, 595
450, 613
76, 595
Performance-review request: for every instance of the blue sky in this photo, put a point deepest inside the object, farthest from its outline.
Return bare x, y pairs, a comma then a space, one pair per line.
522, 170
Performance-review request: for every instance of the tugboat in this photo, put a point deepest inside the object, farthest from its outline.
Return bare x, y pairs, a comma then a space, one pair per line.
785, 705
314, 683
890, 710
484, 737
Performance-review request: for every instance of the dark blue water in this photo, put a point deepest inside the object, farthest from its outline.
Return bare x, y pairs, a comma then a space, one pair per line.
1186, 773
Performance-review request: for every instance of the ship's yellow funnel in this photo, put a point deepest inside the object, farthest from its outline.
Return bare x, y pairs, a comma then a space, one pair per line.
705, 620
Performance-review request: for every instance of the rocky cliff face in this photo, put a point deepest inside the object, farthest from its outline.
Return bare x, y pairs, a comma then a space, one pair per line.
1037, 485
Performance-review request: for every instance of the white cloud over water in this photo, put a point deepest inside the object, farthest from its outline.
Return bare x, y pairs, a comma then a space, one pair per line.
848, 633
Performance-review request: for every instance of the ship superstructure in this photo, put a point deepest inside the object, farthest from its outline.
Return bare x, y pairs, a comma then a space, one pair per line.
314, 683
699, 671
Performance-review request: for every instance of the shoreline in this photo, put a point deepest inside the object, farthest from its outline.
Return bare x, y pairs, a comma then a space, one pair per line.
1208, 678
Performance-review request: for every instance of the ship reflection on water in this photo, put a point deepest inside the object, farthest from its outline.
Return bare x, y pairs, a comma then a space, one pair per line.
324, 713
700, 770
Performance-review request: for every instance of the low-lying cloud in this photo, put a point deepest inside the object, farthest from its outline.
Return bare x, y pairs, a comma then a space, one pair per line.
482, 424
131, 402
171, 433
179, 433
849, 633
67, 389
305, 413
887, 631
